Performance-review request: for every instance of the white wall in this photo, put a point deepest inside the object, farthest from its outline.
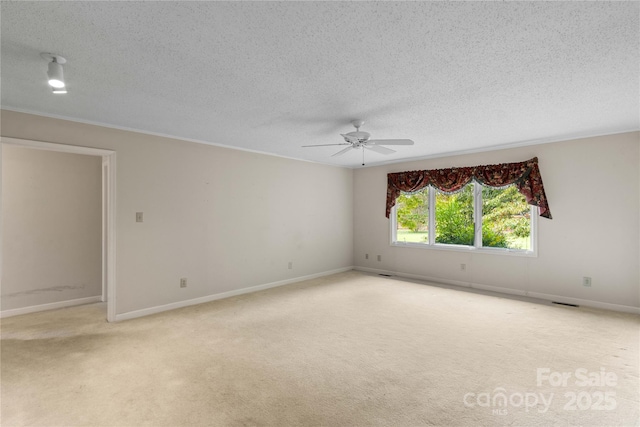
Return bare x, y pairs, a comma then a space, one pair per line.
593, 190
224, 219
228, 220
51, 218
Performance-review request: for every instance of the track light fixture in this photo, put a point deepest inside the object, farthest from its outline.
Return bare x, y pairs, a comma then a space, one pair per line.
54, 72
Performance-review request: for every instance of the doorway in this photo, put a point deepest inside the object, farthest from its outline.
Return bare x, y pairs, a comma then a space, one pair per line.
108, 179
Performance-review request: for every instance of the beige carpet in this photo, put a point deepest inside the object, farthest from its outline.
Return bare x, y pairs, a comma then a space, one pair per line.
346, 350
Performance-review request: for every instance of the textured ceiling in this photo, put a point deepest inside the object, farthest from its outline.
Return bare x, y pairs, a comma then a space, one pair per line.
272, 76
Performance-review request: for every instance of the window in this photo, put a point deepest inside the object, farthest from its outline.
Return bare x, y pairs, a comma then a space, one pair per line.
487, 219
412, 223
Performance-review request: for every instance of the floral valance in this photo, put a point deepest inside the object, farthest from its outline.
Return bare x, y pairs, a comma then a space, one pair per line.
524, 175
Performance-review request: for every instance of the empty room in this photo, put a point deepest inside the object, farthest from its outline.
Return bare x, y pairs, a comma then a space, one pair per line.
320, 213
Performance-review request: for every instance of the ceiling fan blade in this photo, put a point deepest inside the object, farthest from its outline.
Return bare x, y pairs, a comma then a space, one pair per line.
324, 145
341, 152
390, 142
379, 149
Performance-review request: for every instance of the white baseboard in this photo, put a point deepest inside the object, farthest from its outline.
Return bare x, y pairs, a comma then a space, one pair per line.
537, 295
49, 306
160, 308
586, 302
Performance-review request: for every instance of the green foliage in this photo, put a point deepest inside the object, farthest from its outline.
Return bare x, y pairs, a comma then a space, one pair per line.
454, 217
505, 216
413, 210
506, 211
493, 239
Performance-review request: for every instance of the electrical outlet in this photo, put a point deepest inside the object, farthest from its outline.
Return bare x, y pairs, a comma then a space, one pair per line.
586, 281
379, 257
366, 256
290, 265
139, 216
463, 267
183, 282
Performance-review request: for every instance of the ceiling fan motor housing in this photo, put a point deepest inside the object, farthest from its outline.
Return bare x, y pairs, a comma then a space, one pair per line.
362, 137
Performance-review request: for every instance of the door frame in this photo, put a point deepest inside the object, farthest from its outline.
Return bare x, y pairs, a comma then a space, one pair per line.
108, 178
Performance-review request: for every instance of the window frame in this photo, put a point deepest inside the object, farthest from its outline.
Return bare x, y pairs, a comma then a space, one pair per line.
477, 218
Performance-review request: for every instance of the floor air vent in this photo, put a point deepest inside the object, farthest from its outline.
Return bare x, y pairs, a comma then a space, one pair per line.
565, 303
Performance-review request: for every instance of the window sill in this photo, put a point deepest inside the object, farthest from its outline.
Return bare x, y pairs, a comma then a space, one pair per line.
467, 249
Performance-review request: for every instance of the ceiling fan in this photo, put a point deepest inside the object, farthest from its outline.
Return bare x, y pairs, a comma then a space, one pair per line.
359, 139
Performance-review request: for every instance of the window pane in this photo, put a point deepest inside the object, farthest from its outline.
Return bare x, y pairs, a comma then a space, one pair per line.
413, 217
454, 217
506, 219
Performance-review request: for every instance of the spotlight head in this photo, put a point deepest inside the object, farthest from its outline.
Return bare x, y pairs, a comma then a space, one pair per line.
56, 77
54, 71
